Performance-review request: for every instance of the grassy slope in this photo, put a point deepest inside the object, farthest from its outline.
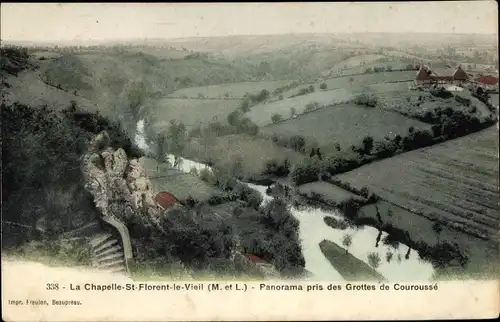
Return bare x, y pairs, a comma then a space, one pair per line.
351, 268
182, 185
29, 89
339, 89
192, 112
346, 124
228, 148
457, 181
234, 90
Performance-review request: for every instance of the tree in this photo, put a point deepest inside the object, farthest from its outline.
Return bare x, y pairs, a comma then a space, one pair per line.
374, 260
388, 256
161, 148
323, 86
233, 118
347, 241
136, 96
437, 227
176, 135
276, 118
367, 144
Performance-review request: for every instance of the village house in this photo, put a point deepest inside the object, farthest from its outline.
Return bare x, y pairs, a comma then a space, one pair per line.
487, 81
426, 76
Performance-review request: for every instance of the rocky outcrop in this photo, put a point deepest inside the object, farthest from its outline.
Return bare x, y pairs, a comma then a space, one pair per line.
119, 186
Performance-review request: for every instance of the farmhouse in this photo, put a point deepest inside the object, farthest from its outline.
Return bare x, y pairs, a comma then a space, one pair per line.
487, 81
426, 76
165, 200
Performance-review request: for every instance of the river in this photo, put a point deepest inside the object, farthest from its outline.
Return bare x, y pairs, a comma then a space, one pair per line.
312, 230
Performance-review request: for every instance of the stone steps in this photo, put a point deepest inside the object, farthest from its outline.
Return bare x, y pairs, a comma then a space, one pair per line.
107, 253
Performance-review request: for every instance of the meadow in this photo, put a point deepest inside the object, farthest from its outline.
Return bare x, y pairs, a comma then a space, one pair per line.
192, 112
369, 79
230, 90
254, 152
184, 185
261, 114
346, 124
454, 182
328, 192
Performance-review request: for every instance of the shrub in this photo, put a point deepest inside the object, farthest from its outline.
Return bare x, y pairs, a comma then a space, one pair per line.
275, 118
206, 175
323, 86
209, 236
440, 92
194, 171
252, 197
335, 224
306, 172
350, 208
463, 100
364, 99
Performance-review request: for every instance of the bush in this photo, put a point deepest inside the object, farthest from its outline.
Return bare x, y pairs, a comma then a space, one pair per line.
335, 224
276, 118
368, 100
207, 176
323, 86
440, 92
252, 197
196, 237
350, 208
463, 100
306, 172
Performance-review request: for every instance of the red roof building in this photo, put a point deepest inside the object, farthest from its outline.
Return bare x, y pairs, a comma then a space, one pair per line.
165, 200
488, 80
256, 259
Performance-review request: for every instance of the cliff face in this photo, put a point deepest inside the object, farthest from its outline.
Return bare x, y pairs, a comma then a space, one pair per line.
119, 186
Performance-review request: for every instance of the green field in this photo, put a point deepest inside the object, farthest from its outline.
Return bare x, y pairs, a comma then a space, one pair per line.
255, 152
351, 268
192, 112
340, 89
395, 64
184, 185
231, 90
346, 124
261, 114
368, 79
400, 99
455, 182
327, 191
30, 90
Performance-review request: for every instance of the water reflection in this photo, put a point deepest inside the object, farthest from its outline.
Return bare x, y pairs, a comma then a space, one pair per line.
360, 241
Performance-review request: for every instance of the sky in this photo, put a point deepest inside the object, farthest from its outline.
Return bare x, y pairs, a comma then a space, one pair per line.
46, 22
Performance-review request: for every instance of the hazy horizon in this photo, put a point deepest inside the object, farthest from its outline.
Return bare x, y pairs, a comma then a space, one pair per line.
95, 22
